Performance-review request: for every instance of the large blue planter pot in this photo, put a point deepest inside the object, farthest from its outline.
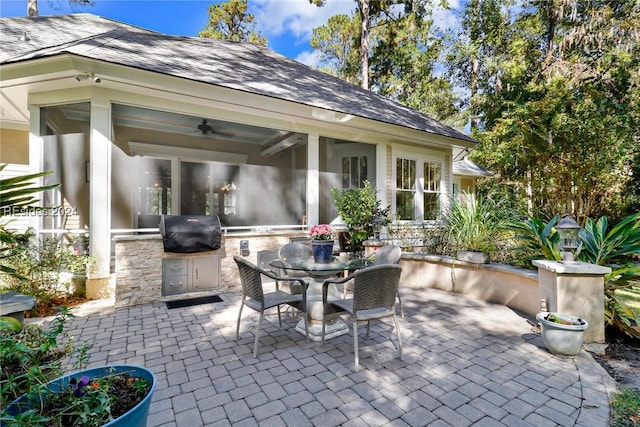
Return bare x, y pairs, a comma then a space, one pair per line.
322, 251
135, 417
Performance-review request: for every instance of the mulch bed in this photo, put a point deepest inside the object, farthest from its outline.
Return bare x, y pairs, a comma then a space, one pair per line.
51, 309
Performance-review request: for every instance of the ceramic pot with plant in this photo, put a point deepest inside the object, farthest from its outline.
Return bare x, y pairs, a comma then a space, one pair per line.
113, 396
562, 334
322, 241
474, 225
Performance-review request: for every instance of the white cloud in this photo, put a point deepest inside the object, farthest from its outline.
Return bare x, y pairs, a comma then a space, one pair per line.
295, 17
308, 57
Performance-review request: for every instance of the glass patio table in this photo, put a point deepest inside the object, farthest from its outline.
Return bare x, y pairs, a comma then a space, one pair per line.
317, 273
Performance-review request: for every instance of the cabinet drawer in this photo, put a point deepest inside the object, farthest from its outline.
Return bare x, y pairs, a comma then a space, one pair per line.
175, 284
174, 267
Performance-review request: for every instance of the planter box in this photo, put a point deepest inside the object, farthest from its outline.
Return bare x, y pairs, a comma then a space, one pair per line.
560, 339
473, 257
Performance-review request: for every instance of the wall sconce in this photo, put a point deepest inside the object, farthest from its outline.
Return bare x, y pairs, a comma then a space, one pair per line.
568, 240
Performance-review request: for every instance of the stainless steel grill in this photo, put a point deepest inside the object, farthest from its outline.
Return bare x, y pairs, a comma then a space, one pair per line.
190, 233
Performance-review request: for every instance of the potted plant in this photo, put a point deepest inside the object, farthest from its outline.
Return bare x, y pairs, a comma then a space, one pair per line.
358, 208
562, 334
322, 242
474, 224
35, 392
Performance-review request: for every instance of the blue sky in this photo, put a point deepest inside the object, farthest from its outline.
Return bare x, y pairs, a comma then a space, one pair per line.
287, 24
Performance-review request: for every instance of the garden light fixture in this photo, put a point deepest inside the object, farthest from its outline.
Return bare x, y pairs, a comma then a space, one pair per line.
569, 240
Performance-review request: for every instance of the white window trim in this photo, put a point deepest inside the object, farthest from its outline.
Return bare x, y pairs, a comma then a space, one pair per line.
420, 157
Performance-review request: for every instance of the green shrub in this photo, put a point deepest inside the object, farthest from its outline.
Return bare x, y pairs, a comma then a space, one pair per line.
477, 223
39, 264
32, 356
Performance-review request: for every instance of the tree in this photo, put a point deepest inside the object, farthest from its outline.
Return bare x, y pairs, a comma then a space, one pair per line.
336, 42
32, 5
230, 21
562, 127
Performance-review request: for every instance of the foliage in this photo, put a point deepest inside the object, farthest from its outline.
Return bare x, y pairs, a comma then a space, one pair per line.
336, 43
86, 402
16, 194
535, 239
32, 356
321, 232
358, 208
560, 117
40, 263
626, 408
476, 223
615, 248
230, 21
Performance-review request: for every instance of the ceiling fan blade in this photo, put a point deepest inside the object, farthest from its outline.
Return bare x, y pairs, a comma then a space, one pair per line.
222, 132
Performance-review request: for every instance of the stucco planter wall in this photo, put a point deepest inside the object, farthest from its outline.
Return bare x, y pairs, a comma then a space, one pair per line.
511, 286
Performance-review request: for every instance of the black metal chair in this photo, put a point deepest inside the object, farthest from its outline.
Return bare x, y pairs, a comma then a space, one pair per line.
254, 297
374, 296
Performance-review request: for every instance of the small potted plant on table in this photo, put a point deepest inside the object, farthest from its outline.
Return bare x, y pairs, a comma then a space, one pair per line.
322, 243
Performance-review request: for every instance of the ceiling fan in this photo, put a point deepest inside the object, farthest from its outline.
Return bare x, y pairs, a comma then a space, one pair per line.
205, 128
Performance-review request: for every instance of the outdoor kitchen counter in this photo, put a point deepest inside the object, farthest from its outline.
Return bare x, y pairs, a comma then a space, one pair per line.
138, 261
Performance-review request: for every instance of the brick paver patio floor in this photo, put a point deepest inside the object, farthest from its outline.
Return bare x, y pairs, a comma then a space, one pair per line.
467, 362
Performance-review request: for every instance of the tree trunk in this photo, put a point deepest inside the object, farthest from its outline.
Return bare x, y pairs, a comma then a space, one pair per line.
32, 8
364, 42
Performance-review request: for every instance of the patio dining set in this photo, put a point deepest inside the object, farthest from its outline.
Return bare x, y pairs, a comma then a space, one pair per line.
366, 289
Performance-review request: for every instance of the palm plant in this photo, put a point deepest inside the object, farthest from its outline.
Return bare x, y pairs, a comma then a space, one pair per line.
536, 239
615, 248
16, 193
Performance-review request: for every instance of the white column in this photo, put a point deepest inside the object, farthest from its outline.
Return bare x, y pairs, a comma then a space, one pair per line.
381, 174
100, 187
313, 179
36, 158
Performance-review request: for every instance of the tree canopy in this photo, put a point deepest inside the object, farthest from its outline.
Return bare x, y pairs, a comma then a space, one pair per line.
551, 89
230, 21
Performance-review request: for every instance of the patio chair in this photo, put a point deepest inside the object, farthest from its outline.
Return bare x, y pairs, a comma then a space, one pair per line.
389, 254
294, 251
374, 296
253, 296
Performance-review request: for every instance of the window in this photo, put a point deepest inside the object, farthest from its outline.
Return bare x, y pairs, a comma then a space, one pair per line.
418, 189
354, 171
405, 188
432, 176
154, 186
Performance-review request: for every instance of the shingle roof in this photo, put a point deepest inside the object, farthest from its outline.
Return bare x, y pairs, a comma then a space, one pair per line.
241, 66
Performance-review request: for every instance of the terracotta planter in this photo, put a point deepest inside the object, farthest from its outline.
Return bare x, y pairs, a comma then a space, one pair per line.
562, 339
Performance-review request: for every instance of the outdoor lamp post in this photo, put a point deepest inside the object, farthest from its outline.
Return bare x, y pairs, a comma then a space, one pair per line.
568, 241
377, 226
